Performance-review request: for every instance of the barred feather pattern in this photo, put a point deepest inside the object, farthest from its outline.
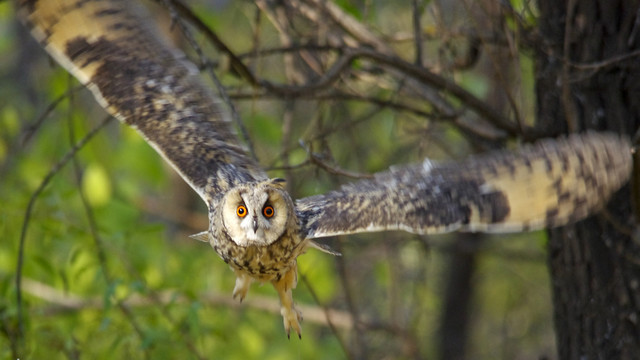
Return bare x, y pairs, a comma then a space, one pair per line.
551, 183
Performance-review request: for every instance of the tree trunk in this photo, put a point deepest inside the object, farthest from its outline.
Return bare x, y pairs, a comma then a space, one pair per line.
587, 79
454, 327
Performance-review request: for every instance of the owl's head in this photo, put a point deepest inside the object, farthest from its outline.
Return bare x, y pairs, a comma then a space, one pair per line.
257, 213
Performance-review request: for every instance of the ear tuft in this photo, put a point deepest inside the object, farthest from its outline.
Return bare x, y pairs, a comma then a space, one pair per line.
279, 183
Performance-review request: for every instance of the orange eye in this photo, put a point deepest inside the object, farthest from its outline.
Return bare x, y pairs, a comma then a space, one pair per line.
241, 211
268, 211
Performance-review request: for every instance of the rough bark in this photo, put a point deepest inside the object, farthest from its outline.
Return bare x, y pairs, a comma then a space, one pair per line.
587, 78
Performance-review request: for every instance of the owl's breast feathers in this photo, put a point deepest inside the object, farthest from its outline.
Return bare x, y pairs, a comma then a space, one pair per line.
264, 263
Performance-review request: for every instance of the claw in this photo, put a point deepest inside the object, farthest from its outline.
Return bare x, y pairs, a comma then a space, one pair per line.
291, 318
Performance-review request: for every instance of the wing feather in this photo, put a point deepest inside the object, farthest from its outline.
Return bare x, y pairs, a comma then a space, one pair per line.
548, 184
140, 80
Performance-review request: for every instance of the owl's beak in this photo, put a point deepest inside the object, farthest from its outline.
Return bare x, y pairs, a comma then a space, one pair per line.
255, 224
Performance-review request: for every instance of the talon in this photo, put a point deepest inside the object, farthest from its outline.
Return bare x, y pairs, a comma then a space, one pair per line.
243, 282
291, 318
239, 294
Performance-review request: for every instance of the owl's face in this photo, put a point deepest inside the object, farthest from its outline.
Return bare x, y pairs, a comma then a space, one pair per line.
257, 213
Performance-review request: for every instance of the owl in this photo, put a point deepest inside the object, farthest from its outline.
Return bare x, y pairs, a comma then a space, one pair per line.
255, 230
254, 224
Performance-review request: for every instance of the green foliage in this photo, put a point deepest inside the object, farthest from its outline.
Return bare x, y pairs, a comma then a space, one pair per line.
96, 185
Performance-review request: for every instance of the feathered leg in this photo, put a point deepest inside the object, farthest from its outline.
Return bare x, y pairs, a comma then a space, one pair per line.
243, 282
290, 315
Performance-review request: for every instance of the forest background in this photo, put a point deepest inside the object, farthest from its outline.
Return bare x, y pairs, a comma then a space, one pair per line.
327, 92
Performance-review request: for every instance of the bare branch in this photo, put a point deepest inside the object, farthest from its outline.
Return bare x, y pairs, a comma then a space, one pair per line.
61, 302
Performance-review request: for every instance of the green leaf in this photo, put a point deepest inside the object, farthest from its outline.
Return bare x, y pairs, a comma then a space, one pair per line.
96, 185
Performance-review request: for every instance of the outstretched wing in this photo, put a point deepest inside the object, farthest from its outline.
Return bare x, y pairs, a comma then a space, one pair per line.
551, 183
140, 80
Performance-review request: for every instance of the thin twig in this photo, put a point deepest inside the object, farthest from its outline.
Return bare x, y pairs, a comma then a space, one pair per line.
343, 271
315, 159
343, 96
93, 230
176, 8
32, 128
62, 302
293, 48
27, 216
330, 322
416, 72
236, 64
93, 227
417, 29
342, 64
601, 65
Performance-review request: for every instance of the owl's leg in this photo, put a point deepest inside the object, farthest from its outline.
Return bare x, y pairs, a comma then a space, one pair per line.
243, 282
290, 315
